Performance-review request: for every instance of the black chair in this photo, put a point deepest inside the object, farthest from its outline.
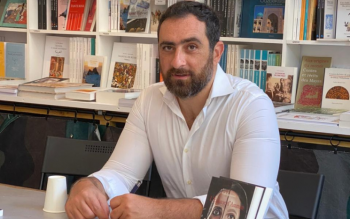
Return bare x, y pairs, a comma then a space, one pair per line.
75, 157
301, 192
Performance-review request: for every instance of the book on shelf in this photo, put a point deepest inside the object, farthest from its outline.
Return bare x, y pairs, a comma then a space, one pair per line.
62, 8
77, 14
15, 60
343, 20
91, 18
336, 88
345, 116
316, 110
41, 95
8, 89
329, 13
123, 65
282, 107
139, 15
332, 120
157, 9
262, 19
2, 60
229, 198
95, 70
112, 96
311, 78
14, 14
123, 6
82, 94
281, 83
52, 85
56, 57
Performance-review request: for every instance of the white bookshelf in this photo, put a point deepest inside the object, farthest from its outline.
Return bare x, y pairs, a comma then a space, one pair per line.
292, 52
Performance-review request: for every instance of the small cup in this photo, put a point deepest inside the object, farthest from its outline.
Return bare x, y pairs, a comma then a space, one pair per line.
56, 194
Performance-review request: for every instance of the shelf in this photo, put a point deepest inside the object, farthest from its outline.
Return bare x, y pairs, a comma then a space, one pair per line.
124, 34
318, 43
19, 30
65, 103
251, 40
58, 32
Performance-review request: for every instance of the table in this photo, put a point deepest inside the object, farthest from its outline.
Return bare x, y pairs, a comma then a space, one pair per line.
24, 203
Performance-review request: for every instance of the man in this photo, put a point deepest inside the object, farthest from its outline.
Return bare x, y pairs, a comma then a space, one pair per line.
201, 123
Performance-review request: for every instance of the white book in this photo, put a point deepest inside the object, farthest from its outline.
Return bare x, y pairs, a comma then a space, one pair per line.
330, 15
281, 83
345, 116
82, 94
112, 96
343, 20
123, 65
48, 14
95, 70
331, 120
238, 18
56, 57
336, 89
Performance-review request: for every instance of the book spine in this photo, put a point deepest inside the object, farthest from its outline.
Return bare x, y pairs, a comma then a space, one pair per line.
263, 69
251, 65
44, 15
318, 19
257, 67
54, 15
241, 64
306, 19
302, 20
40, 14
322, 19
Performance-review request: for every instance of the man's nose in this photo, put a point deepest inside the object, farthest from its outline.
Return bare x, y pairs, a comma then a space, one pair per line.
179, 59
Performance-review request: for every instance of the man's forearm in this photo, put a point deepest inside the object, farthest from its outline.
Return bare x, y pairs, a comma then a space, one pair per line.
178, 208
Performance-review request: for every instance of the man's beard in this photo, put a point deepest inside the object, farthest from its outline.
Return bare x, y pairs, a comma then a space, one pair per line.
192, 86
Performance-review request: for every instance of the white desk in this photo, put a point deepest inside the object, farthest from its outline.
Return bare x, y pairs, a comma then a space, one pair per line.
24, 203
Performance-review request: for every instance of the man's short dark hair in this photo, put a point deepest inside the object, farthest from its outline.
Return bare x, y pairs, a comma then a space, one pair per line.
202, 12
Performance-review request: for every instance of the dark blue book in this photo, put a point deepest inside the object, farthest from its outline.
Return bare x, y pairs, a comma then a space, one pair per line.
263, 19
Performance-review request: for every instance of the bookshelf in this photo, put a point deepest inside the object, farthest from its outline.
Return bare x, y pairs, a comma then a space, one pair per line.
292, 52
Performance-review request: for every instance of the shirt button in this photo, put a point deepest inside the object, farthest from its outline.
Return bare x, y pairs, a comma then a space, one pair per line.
189, 182
186, 150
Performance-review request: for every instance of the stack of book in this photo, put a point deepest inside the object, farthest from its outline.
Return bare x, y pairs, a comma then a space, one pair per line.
112, 96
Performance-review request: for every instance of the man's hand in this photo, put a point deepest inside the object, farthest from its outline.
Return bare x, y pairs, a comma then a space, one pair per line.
131, 206
87, 199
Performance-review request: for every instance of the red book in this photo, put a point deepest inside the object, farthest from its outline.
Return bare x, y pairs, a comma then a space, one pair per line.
91, 19
75, 14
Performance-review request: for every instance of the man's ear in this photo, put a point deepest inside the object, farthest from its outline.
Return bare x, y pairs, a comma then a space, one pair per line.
217, 52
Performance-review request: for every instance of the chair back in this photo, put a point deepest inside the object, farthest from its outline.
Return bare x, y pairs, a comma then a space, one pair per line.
301, 192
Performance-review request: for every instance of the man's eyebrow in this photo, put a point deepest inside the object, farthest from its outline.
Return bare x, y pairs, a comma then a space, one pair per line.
191, 39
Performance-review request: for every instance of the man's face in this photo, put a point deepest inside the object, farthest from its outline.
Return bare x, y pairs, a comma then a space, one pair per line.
185, 58
226, 206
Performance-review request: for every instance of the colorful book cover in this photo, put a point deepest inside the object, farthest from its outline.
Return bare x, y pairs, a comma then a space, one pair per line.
336, 89
75, 14
15, 14
158, 7
263, 19
281, 83
311, 78
2, 59
257, 67
138, 16
91, 19
329, 19
62, 7
124, 6
264, 54
15, 56
94, 70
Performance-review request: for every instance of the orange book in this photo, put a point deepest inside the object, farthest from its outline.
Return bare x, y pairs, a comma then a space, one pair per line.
311, 21
302, 19
75, 14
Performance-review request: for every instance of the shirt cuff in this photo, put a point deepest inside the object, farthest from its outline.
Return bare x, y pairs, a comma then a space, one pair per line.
112, 183
201, 198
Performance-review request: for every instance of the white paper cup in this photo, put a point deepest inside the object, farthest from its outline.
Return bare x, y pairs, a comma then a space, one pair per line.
56, 194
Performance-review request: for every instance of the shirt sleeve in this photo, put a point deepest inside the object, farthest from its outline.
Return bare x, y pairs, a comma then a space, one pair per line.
131, 157
256, 150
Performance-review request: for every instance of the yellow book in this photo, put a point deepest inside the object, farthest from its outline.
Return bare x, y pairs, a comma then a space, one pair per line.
2, 60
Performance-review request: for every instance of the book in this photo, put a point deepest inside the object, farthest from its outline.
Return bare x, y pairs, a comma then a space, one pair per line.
345, 116
112, 96
229, 198
15, 60
56, 57
311, 78
95, 70
329, 19
343, 20
157, 9
41, 95
51, 85
14, 14
336, 88
139, 14
91, 18
62, 7
316, 110
123, 65
281, 83
2, 7
263, 19
2, 59
332, 120
75, 16
344, 124
123, 6
124, 102
282, 107
9, 89
82, 94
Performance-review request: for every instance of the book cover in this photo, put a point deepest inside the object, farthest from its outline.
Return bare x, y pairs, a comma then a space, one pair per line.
62, 7
329, 19
281, 83
15, 60
158, 7
82, 94
336, 89
343, 20
282, 107
2, 59
311, 78
123, 13
309, 118
95, 70
263, 19
75, 15
91, 18
56, 57
229, 198
138, 16
14, 14
123, 65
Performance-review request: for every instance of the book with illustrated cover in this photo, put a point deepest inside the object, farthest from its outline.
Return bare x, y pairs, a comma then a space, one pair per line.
158, 7
123, 7
229, 198
263, 19
95, 70
75, 16
14, 14
309, 118
311, 78
112, 96
91, 18
138, 16
56, 57
62, 8
281, 83
123, 65
343, 20
336, 89
15, 60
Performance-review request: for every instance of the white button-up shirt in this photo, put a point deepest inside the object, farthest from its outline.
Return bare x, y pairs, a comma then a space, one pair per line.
235, 135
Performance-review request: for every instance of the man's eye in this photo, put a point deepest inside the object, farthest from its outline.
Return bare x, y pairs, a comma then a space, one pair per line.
192, 47
167, 48
217, 211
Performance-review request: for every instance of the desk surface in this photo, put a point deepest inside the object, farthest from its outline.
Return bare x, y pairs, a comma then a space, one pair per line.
24, 203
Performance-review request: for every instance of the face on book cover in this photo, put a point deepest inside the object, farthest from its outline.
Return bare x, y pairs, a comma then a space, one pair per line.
226, 205
185, 58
